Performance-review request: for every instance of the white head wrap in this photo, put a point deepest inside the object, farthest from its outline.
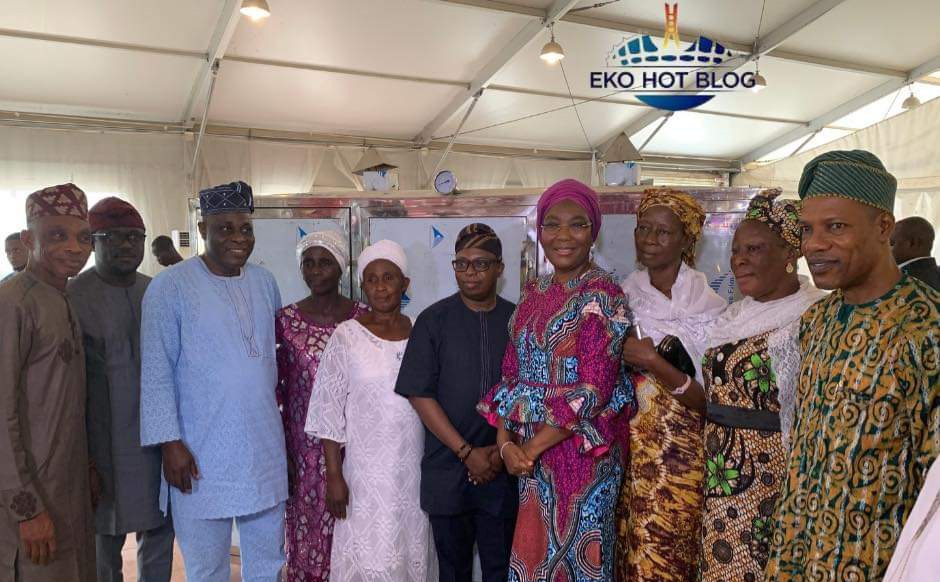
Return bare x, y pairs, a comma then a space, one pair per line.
383, 249
331, 240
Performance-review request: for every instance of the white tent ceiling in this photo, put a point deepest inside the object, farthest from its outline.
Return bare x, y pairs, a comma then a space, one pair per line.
388, 68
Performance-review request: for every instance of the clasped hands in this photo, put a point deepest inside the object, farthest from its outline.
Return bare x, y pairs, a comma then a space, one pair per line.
483, 464
519, 459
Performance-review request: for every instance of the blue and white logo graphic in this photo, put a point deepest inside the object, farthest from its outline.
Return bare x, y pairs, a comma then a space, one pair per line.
724, 286
667, 76
437, 237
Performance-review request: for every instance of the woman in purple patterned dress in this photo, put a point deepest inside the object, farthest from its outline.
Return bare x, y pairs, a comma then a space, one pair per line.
303, 329
562, 407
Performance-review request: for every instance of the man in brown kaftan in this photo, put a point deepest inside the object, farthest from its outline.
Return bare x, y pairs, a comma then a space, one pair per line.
45, 500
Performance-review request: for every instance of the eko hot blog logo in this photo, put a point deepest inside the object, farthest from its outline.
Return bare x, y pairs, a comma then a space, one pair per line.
666, 76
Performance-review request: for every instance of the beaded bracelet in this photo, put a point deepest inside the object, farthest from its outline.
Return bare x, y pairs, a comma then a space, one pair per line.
466, 455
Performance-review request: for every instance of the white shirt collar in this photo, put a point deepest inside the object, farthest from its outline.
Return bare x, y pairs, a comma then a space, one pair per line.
906, 263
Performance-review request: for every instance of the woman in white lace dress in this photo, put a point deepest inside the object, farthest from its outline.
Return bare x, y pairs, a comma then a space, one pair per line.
381, 533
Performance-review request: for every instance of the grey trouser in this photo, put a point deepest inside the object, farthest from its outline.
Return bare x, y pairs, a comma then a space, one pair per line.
154, 555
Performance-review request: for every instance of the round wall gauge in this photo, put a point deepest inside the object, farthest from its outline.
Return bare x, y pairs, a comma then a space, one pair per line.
445, 182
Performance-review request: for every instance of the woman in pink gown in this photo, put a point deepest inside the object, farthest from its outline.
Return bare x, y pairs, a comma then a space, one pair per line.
303, 329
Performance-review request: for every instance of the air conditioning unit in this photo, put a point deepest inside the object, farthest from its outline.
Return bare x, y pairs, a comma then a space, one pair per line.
181, 241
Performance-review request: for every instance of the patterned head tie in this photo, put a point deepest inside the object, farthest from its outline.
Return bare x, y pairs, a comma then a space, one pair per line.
384, 249
62, 200
782, 216
854, 174
334, 242
114, 213
479, 236
225, 198
685, 207
579, 193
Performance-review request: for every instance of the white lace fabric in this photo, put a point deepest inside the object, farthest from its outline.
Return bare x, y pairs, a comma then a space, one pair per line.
749, 318
783, 347
687, 315
386, 537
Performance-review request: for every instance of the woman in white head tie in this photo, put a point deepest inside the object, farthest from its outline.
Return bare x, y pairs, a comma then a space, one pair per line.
303, 329
381, 533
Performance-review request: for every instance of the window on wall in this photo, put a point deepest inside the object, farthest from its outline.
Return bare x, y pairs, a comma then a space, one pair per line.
13, 217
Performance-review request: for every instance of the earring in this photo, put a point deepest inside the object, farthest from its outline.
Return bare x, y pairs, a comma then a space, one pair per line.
790, 268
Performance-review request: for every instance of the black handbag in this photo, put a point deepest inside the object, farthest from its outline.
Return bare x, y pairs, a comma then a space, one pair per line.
672, 350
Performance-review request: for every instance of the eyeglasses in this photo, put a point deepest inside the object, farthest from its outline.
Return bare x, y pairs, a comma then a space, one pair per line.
479, 265
578, 228
116, 239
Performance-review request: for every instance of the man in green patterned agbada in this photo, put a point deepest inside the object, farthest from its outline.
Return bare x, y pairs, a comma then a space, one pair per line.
868, 405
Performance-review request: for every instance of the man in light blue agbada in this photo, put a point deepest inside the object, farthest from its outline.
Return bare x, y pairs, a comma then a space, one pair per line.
208, 400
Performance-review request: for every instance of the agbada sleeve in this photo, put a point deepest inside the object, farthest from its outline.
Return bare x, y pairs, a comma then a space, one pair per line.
160, 345
18, 487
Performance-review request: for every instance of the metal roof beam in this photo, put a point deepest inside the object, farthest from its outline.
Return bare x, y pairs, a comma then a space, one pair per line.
628, 101
97, 125
842, 110
772, 40
634, 27
221, 36
486, 74
795, 25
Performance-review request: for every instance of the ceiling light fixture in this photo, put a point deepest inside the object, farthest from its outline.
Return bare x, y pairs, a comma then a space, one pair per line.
255, 9
552, 51
912, 102
760, 83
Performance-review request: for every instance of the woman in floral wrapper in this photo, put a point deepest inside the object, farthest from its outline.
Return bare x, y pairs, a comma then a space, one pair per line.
750, 374
660, 509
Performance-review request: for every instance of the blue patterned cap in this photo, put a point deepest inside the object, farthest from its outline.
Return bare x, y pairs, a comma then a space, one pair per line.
234, 197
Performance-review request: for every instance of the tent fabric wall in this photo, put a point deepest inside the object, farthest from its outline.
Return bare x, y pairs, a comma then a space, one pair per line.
473, 172
270, 167
544, 173
284, 168
146, 170
907, 144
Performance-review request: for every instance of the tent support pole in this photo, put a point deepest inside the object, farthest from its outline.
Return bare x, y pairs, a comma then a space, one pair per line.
213, 75
453, 138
